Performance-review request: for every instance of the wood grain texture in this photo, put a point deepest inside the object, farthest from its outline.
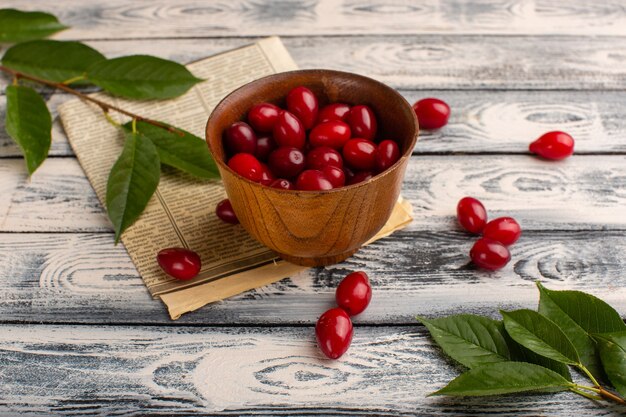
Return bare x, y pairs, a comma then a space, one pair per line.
430, 61
58, 370
581, 193
193, 18
84, 278
485, 121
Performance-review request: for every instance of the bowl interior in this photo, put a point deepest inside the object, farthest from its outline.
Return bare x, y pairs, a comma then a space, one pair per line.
396, 119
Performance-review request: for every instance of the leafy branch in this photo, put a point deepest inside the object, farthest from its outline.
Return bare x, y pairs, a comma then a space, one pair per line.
530, 351
61, 65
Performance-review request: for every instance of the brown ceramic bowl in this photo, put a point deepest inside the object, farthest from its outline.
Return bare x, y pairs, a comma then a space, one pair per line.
316, 228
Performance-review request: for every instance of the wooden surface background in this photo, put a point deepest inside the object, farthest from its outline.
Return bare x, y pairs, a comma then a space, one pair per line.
80, 335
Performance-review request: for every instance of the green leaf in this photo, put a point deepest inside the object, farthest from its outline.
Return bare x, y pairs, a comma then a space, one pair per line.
188, 152
29, 123
505, 378
590, 313
51, 60
612, 347
470, 340
541, 335
142, 77
521, 354
132, 181
18, 26
584, 344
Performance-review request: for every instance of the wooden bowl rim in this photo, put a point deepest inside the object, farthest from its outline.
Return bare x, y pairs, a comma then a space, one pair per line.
318, 72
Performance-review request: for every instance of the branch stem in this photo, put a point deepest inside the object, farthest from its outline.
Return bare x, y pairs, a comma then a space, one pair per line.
586, 394
608, 395
588, 373
104, 106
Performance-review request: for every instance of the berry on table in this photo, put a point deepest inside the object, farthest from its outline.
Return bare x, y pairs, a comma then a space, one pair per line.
553, 145
333, 332
471, 214
354, 293
180, 263
489, 254
431, 113
503, 229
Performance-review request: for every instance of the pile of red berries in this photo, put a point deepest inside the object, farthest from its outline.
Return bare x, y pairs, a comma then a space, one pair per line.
491, 250
306, 148
334, 328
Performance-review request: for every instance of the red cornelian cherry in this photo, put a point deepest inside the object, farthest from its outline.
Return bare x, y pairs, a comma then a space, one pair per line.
333, 332
335, 175
323, 156
360, 176
553, 145
388, 154
179, 263
247, 166
354, 293
284, 184
360, 154
489, 254
333, 134
471, 214
431, 113
224, 210
302, 102
267, 177
264, 145
286, 162
362, 122
503, 229
349, 174
313, 180
262, 117
240, 138
289, 131
335, 111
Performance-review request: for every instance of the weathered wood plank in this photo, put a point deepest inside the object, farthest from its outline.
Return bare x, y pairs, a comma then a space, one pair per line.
84, 278
485, 121
171, 18
431, 61
581, 193
62, 370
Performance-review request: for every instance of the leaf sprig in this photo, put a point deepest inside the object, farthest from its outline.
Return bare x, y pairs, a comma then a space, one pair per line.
530, 351
61, 65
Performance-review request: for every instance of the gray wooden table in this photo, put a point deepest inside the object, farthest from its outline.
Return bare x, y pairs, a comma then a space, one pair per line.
80, 335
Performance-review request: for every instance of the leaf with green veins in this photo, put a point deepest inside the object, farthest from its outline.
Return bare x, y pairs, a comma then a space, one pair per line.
142, 77
51, 60
132, 181
470, 340
188, 152
612, 348
541, 335
29, 123
584, 344
521, 354
505, 378
590, 313
19, 26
